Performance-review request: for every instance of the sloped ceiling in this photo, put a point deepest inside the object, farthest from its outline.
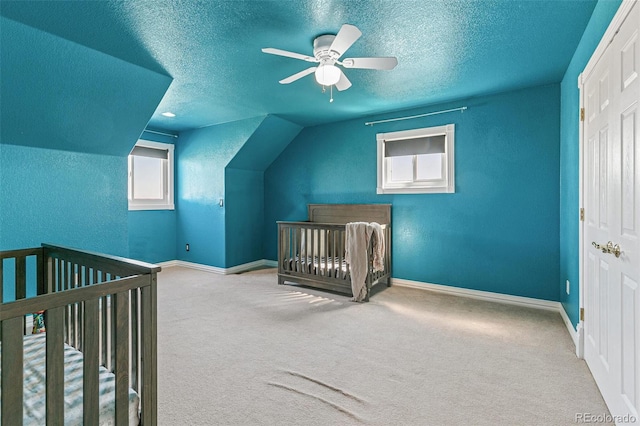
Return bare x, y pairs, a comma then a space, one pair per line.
446, 49
265, 144
62, 95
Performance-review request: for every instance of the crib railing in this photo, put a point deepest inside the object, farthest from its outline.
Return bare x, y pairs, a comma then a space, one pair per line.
104, 306
307, 245
314, 253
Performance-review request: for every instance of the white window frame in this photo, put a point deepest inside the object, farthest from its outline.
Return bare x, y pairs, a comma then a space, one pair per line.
445, 185
167, 203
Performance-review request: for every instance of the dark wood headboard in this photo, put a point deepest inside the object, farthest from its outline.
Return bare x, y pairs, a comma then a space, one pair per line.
344, 213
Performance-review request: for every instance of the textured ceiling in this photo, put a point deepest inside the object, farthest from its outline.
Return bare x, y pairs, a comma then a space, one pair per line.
446, 50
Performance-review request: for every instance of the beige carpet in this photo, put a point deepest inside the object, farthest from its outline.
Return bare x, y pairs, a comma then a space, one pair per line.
243, 350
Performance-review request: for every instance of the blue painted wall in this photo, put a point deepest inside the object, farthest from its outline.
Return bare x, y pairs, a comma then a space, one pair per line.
60, 197
226, 161
202, 156
570, 156
244, 188
499, 232
153, 233
244, 191
69, 117
65, 198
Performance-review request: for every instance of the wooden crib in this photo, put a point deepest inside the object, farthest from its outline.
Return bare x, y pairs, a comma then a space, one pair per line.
102, 306
312, 253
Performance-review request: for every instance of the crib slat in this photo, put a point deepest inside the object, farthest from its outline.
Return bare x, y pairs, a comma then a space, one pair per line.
297, 248
1, 280
12, 371
91, 344
149, 352
327, 252
121, 358
104, 327
21, 277
81, 283
341, 273
55, 366
41, 267
312, 268
134, 339
68, 320
333, 253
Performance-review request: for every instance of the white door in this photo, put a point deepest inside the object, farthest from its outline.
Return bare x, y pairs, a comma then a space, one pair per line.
611, 196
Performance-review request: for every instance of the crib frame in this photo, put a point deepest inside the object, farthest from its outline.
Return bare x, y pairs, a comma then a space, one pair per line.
311, 253
104, 306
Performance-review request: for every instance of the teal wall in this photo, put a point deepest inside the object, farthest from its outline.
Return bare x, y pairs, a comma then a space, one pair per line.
64, 198
68, 118
153, 233
202, 156
60, 197
499, 232
570, 156
225, 161
244, 206
244, 188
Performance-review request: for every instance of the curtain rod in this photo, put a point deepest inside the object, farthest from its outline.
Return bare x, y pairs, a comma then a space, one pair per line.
371, 123
160, 133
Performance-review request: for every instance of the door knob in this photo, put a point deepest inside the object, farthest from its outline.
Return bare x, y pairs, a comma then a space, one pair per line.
609, 248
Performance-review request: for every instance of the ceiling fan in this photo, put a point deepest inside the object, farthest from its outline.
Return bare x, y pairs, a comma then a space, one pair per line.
327, 49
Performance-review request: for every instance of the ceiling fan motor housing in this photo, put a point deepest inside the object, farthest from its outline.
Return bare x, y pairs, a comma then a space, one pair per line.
322, 48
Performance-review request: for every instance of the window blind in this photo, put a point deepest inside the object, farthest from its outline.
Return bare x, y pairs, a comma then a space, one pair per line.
417, 146
143, 151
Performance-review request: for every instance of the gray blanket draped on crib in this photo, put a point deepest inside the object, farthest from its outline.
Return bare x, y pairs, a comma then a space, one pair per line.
358, 236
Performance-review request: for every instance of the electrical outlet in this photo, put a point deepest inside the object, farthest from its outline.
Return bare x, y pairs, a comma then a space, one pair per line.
568, 287
186, 247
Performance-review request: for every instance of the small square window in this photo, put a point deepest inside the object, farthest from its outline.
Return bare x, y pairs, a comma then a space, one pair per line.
151, 176
416, 161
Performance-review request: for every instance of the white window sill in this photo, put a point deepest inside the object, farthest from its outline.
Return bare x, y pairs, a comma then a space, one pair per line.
415, 191
151, 207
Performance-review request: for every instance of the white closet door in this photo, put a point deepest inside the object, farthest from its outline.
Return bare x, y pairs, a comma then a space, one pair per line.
612, 214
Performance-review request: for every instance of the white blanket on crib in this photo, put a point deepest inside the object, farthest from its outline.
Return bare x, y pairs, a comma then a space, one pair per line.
358, 235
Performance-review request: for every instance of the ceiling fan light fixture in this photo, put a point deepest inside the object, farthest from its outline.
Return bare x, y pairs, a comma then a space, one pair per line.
327, 75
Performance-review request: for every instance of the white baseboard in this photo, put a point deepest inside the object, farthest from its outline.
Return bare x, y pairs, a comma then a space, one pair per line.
223, 271
478, 294
494, 297
567, 322
167, 264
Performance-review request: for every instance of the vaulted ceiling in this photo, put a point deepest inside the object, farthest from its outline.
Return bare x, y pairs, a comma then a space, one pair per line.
446, 50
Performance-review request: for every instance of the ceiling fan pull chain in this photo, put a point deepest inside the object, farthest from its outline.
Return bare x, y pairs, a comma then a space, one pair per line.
331, 90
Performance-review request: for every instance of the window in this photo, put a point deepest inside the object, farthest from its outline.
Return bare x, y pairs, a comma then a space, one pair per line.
416, 161
151, 176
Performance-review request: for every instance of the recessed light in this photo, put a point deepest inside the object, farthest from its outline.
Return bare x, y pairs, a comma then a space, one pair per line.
168, 114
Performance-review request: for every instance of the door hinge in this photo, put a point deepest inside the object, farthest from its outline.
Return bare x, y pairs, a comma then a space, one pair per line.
581, 314
581, 214
581, 114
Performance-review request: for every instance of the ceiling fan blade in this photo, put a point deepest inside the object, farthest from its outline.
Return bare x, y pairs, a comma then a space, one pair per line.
378, 63
288, 54
347, 35
343, 83
298, 75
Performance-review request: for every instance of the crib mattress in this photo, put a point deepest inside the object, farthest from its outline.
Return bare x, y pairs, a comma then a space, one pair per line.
34, 387
319, 264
